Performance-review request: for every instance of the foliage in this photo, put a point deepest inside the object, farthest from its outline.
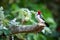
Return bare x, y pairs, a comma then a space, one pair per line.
15, 14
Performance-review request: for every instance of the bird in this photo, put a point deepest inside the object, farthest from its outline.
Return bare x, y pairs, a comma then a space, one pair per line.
38, 17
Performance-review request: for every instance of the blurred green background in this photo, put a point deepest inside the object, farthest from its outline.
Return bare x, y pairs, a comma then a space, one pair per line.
50, 11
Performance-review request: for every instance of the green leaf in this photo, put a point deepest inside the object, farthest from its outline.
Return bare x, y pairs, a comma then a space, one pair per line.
1, 32
20, 35
39, 37
6, 32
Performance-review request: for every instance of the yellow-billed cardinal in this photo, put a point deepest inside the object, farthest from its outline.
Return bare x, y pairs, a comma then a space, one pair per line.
41, 21
38, 17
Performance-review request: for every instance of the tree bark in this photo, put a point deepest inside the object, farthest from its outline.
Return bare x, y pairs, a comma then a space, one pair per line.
26, 28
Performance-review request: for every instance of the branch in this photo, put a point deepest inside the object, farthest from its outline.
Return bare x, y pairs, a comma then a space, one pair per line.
26, 28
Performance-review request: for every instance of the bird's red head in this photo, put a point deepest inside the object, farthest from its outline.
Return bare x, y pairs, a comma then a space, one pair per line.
39, 12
